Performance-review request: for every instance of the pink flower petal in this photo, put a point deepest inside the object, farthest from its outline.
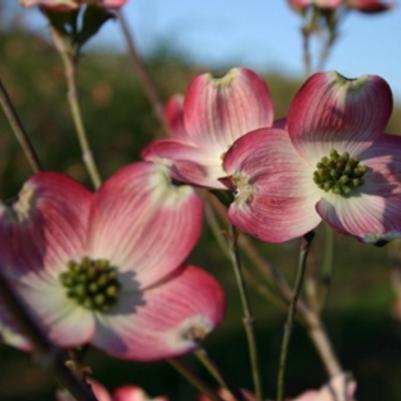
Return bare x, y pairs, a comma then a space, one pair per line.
64, 322
164, 321
46, 227
100, 391
134, 393
281, 123
143, 223
55, 5
187, 163
371, 218
370, 6
340, 388
9, 332
174, 115
312, 395
217, 111
112, 4
300, 5
328, 4
275, 193
332, 112
225, 395
383, 158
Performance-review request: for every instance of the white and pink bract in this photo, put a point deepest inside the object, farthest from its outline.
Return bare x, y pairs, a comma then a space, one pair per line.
206, 122
366, 6
123, 393
140, 227
286, 183
69, 5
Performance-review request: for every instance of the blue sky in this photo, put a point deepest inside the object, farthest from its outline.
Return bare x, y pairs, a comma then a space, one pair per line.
261, 34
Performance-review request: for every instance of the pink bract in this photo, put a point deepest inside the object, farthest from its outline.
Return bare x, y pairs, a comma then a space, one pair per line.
213, 114
335, 163
366, 6
225, 395
112, 4
369, 6
68, 5
139, 228
123, 393
340, 388
302, 5
56, 5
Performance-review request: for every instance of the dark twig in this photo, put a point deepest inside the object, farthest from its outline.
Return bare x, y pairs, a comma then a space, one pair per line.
19, 130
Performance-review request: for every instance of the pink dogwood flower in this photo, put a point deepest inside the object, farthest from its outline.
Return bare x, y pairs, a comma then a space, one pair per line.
367, 6
340, 388
334, 164
225, 395
123, 393
106, 268
205, 123
69, 5
56, 5
302, 5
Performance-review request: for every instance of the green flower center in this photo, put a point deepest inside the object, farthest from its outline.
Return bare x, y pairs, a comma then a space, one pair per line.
340, 174
93, 284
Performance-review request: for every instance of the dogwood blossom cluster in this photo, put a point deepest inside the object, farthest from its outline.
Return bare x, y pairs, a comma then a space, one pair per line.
107, 268
329, 160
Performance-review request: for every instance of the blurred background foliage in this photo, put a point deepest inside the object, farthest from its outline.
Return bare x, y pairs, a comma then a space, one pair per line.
361, 313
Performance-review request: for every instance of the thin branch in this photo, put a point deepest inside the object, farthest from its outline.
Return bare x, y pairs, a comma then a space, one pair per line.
47, 355
210, 366
203, 356
303, 256
327, 266
69, 58
326, 49
248, 319
220, 236
193, 379
306, 54
19, 130
142, 73
315, 328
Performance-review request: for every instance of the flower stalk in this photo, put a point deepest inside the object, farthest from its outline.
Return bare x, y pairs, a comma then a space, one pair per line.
19, 130
204, 358
193, 379
69, 58
327, 266
248, 319
315, 328
210, 366
303, 256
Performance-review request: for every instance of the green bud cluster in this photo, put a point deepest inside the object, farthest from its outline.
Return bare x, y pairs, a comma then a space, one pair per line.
93, 284
339, 174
